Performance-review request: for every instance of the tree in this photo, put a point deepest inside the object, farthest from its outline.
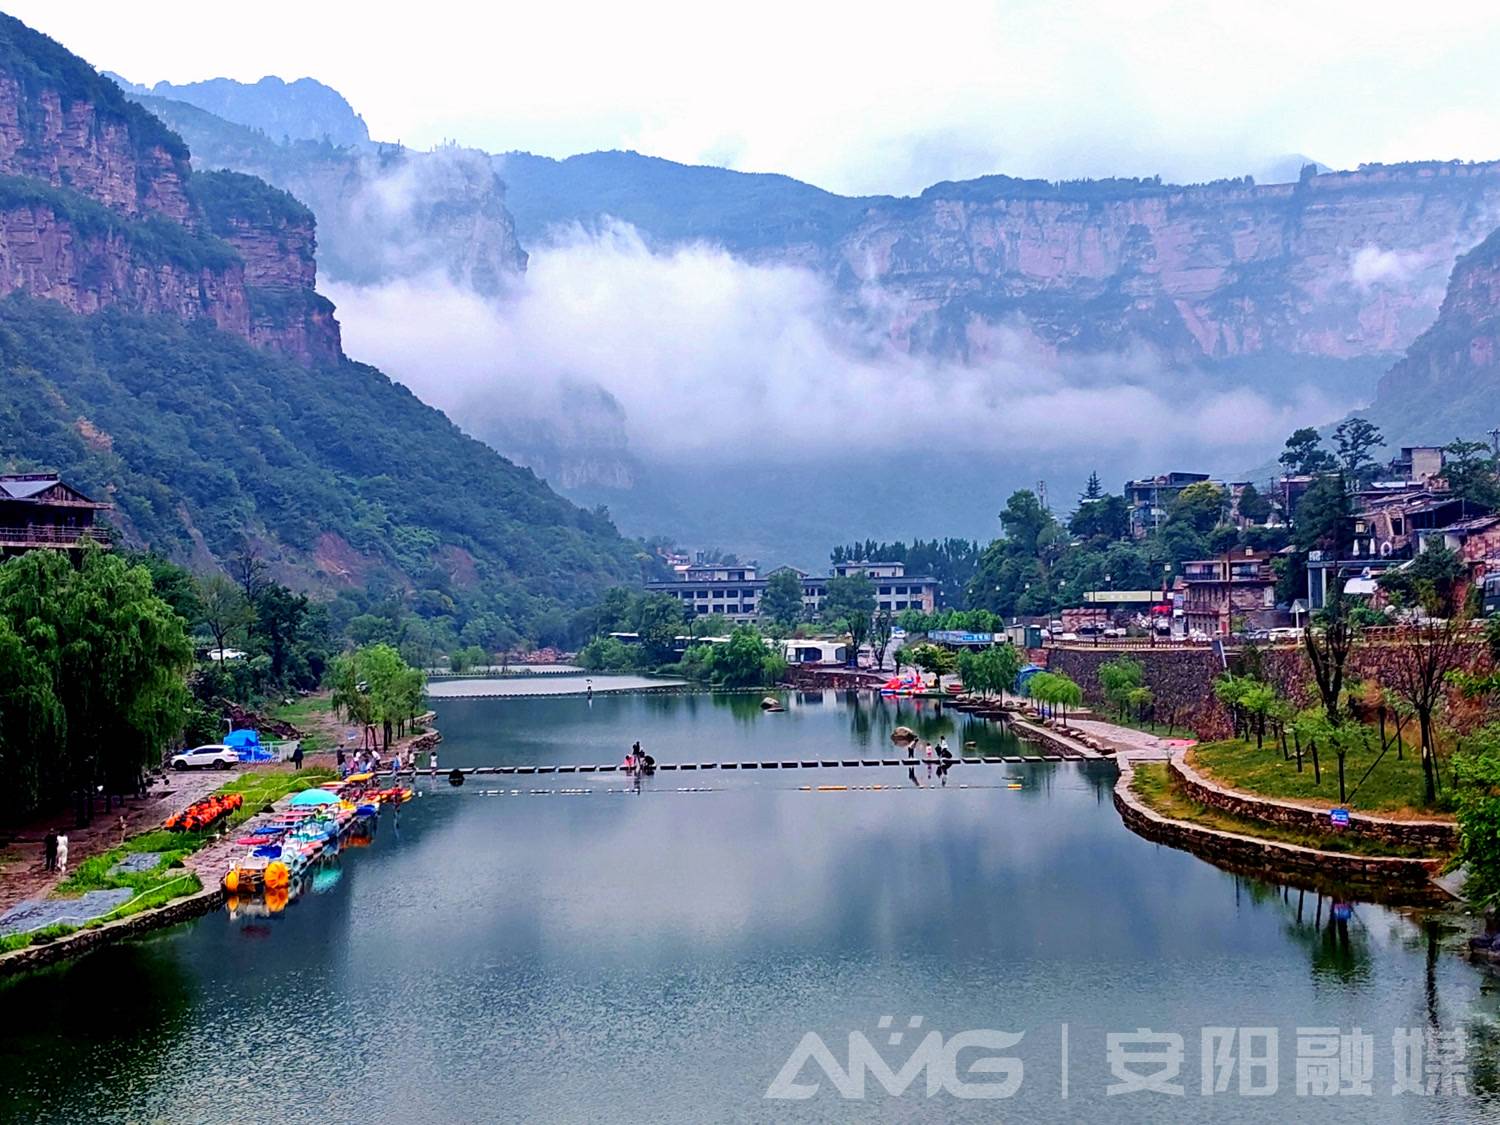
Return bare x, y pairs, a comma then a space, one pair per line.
989, 670
1101, 517
1055, 690
1119, 678
1093, 490
1470, 472
658, 620
1253, 507
1328, 652
934, 659
781, 600
1355, 438
881, 628
1024, 519
223, 609
1322, 519
94, 686
1423, 657
1304, 454
1430, 580
745, 660
1200, 506
376, 687
1477, 771
849, 604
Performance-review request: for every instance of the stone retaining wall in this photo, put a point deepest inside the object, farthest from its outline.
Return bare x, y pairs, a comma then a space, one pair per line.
81, 941
1181, 679
1396, 880
1426, 834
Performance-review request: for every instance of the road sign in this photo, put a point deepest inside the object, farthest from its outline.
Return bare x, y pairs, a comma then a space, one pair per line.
1339, 818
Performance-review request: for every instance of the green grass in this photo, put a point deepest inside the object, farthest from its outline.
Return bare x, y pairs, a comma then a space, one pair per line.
1153, 785
1394, 785
168, 880
301, 714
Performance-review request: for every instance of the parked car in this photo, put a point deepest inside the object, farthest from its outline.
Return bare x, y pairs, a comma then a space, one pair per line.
217, 756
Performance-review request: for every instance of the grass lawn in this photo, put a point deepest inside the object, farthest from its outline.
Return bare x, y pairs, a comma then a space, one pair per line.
1394, 785
308, 714
1152, 784
168, 879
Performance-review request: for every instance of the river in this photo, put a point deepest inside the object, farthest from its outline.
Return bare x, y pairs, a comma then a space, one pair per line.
590, 953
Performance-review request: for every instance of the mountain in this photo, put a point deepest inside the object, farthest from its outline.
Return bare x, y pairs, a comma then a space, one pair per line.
304, 110
383, 211
1448, 383
163, 347
1116, 325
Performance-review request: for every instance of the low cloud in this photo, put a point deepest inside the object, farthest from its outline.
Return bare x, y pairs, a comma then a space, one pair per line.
1395, 269
694, 354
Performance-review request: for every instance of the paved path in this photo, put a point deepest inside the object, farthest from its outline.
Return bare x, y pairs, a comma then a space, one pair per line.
22, 874
1139, 745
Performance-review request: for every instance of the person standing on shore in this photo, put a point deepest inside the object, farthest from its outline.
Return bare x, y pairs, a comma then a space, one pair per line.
61, 866
49, 851
297, 757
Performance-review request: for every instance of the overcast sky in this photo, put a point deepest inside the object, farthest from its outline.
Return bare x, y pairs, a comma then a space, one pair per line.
867, 97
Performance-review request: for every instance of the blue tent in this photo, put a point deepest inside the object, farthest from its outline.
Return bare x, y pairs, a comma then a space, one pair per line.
246, 743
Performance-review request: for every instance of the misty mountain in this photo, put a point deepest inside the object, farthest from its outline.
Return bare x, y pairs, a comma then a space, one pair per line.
162, 345
304, 110
751, 361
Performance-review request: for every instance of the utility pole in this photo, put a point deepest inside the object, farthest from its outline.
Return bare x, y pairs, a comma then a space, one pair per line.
1041, 493
1495, 440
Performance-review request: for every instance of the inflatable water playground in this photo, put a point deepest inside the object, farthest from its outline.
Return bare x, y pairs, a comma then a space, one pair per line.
315, 824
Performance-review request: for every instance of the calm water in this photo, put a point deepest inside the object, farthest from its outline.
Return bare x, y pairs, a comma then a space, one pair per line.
657, 956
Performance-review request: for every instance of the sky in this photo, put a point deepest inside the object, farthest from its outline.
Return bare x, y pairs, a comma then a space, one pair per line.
873, 97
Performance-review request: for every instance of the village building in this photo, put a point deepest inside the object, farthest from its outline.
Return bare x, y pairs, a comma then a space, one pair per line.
1219, 592
39, 511
735, 590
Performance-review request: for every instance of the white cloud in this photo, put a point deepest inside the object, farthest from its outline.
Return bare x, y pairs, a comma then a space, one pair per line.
868, 99
709, 356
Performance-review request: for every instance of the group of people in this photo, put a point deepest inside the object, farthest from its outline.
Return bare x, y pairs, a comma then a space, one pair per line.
55, 852
367, 761
937, 756
638, 763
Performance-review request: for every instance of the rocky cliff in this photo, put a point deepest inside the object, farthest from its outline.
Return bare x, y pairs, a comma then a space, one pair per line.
1448, 383
383, 212
1339, 265
99, 208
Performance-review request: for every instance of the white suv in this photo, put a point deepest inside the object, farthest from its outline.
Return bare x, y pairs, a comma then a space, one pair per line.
217, 756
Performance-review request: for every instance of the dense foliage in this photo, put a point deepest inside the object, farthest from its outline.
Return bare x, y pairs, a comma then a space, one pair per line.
374, 687
93, 678
341, 475
745, 660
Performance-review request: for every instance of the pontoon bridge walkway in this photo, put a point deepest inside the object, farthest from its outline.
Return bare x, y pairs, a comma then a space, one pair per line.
765, 764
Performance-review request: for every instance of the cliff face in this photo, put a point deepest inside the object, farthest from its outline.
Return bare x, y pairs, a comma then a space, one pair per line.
384, 212
1448, 384
1339, 265
99, 208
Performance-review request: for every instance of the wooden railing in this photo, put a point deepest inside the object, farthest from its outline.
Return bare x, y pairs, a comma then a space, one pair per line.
45, 535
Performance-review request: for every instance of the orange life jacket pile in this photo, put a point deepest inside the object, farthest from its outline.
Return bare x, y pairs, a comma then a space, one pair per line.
204, 812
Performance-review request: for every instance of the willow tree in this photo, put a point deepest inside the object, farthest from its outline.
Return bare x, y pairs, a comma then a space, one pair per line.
95, 677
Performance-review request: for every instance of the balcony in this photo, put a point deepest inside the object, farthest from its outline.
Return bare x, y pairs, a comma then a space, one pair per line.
47, 535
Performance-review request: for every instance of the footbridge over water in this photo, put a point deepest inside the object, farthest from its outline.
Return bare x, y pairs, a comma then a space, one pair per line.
764, 764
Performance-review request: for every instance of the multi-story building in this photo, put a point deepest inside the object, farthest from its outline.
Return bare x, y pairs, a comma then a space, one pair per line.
37, 510
735, 591
1240, 584
1150, 497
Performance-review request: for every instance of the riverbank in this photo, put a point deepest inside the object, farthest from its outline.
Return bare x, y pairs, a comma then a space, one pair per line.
140, 883
1152, 804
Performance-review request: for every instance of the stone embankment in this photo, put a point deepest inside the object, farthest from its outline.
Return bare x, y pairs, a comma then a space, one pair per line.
1425, 834
1390, 878
81, 941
